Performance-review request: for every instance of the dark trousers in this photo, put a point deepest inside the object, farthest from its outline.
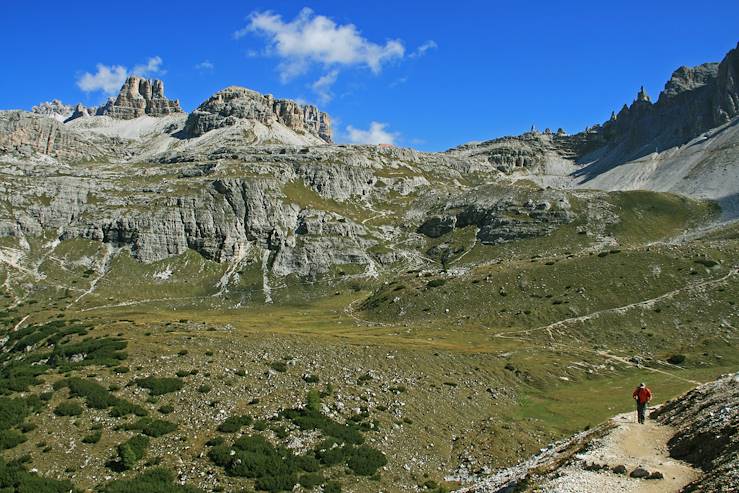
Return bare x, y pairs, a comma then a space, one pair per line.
641, 411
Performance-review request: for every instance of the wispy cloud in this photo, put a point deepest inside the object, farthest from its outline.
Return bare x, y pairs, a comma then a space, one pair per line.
205, 66
322, 86
309, 39
421, 50
110, 78
153, 66
375, 134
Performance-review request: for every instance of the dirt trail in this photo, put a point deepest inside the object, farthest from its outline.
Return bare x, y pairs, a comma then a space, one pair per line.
631, 445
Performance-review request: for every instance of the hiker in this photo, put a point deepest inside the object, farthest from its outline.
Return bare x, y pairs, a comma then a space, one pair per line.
642, 395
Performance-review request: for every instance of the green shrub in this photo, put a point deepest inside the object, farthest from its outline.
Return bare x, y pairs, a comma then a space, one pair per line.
313, 401
215, 441
12, 412
10, 439
310, 480
95, 395
307, 419
27, 427
182, 352
365, 461
436, 283
676, 359
93, 437
273, 468
68, 408
182, 373
157, 480
235, 423
205, 388
14, 478
706, 262
124, 408
275, 483
121, 369
98, 397
160, 386
152, 427
131, 451
279, 366
166, 409
332, 487
260, 425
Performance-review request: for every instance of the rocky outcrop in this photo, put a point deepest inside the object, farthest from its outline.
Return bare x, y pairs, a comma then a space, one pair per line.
227, 107
24, 134
501, 217
139, 97
80, 111
54, 109
707, 422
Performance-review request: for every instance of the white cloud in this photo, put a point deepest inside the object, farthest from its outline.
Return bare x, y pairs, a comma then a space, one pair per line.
323, 85
313, 38
376, 134
108, 79
421, 50
205, 66
153, 66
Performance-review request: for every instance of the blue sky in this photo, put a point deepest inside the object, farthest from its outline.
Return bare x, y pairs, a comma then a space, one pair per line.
429, 74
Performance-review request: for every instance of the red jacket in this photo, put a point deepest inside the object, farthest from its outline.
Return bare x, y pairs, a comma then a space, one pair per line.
642, 395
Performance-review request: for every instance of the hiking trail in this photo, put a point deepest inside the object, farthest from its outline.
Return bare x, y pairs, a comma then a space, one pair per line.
631, 445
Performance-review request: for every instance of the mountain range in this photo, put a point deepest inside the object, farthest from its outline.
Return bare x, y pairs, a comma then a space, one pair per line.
378, 318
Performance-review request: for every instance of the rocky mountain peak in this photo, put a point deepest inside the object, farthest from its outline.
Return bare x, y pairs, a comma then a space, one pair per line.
642, 96
234, 103
139, 97
686, 79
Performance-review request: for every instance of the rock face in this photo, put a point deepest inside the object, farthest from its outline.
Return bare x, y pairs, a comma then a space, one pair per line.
501, 215
227, 107
707, 422
139, 97
24, 134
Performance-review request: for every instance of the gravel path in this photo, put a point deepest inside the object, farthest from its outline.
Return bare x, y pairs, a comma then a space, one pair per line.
631, 445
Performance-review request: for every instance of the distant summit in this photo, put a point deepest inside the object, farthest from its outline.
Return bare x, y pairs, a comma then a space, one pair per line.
54, 109
228, 106
137, 97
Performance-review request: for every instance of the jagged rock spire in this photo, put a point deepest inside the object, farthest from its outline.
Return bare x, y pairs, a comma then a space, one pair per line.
643, 96
139, 97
